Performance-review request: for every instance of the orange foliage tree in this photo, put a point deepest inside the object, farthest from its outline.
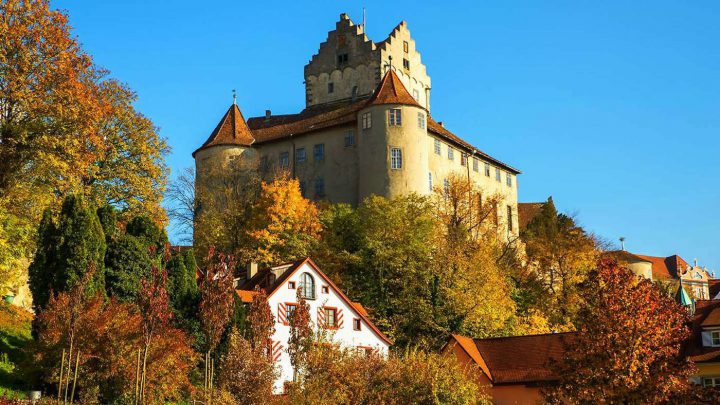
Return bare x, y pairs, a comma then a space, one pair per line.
628, 347
284, 225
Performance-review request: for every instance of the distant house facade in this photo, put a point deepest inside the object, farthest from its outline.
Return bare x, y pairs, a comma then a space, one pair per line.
703, 349
514, 369
344, 322
695, 279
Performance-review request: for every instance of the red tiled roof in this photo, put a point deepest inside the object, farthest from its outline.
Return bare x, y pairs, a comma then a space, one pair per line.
666, 267
707, 313
522, 359
231, 130
714, 287
264, 280
528, 211
392, 91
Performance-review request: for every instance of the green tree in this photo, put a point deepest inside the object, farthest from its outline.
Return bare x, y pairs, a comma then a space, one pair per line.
127, 262
148, 231
67, 250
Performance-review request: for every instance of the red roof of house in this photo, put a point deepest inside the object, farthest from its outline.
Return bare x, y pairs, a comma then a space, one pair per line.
270, 281
707, 314
666, 267
714, 287
519, 359
231, 130
392, 91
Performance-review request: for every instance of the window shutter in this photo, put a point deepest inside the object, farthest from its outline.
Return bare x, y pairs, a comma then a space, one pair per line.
321, 317
339, 318
282, 315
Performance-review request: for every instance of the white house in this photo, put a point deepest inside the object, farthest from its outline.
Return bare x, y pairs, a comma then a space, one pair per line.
346, 322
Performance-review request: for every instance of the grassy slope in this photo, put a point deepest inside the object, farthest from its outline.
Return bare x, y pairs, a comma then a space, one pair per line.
14, 335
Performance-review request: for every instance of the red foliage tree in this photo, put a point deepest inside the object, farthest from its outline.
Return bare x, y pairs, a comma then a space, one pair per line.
261, 320
628, 346
301, 334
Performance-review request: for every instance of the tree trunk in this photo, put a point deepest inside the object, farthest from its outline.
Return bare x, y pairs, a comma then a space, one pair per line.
67, 374
77, 364
144, 369
136, 396
62, 367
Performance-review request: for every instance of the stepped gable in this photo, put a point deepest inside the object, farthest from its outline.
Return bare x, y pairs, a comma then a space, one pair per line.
392, 91
344, 25
231, 130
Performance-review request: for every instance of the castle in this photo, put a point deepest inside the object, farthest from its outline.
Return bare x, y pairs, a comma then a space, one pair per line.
366, 129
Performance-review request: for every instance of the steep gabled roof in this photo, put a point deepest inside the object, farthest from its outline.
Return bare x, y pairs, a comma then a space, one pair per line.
270, 282
519, 359
231, 130
707, 314
392, 91
670, 267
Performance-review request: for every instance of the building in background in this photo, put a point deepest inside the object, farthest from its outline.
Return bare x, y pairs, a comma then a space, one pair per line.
343, 322
366, 130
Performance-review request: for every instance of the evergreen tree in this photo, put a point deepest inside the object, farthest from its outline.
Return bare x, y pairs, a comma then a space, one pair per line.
144, 228
127, 261
66, 251
108, 219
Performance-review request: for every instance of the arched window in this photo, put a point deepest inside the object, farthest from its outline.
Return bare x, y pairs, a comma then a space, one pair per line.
307, 286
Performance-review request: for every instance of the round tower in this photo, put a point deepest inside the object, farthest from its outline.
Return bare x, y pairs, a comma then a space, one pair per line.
392, 146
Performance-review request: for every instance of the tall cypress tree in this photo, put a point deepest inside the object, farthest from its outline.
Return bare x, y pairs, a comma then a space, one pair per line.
144, 228
44, 266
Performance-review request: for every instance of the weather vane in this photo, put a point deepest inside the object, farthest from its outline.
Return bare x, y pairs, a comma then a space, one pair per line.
234, 97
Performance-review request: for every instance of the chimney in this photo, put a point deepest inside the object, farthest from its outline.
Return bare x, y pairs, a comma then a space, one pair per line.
441, 124
252, 270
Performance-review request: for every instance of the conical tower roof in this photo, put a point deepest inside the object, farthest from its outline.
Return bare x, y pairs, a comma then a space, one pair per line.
682, 297
392, 91
231, 130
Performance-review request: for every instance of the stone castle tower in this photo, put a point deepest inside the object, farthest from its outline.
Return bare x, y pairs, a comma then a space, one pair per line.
366, 130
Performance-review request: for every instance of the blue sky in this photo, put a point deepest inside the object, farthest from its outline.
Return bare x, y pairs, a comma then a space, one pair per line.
612, 107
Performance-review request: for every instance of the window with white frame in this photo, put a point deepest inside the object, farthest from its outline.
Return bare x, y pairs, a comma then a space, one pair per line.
437, 147
349, 138
421, 120
394, 117
476, 164
284, 159
396, 158
330, 320
300, 155
367, 120
715, 337
451, 153
711, 381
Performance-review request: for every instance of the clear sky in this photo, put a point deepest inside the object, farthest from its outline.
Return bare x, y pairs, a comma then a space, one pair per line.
611, 107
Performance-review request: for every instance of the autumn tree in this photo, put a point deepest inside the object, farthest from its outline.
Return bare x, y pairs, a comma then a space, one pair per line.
628, 346
301, 335
560, 256
247, 370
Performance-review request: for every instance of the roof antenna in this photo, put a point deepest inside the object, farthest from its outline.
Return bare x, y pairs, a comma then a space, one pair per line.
622, 243
234, 97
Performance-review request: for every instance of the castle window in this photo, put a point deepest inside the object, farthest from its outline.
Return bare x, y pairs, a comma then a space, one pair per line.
406, 47
342, 59
394, 117
307, 286
396, 158
463, 159
508, 179
487, 169
437, 147
510, 218
421, 120
300, 155
451, 153
349, 138
303, 188
319, 187
319, 152
498, 176
367, 120
476, 163
430, 181
406, 64
331, 87
446, 187
284, 159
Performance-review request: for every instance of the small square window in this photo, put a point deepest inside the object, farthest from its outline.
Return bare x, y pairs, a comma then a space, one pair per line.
406, 47
349, 138
357, 324
366, 120
330, 317
300, 155
396, 158
325, 289
394, 117
319, 152
437, 147
331, 87
406, 64
421, 120
284, 159
451, 153
291, 285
